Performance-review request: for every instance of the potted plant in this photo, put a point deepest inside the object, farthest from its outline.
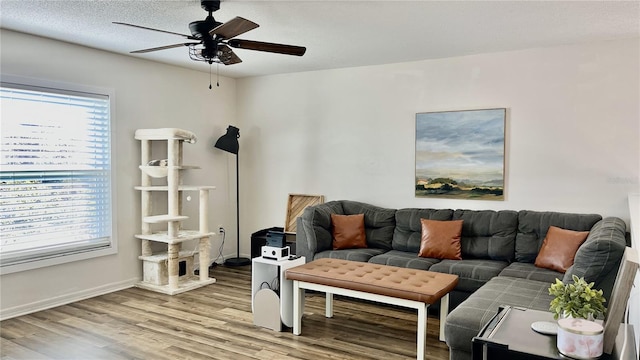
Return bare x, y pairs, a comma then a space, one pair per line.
577, 299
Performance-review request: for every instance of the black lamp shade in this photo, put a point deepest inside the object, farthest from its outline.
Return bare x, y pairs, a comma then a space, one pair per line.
229, 141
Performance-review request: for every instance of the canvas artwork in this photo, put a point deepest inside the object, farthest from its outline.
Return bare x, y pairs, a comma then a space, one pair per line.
460, 154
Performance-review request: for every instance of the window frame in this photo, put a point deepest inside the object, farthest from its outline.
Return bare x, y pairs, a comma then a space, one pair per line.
73, 256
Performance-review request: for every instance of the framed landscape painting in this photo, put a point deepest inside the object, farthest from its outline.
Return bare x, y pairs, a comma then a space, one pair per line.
460, 154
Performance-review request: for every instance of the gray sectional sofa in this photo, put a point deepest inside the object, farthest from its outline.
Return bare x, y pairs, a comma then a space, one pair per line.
498, 253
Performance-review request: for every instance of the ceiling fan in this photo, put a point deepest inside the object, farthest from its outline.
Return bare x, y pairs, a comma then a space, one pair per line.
211, 41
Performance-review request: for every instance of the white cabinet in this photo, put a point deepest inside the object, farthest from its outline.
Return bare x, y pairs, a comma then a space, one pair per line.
170, 271
270, 275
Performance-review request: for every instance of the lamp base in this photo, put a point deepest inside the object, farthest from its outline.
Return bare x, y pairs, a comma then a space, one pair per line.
237, 261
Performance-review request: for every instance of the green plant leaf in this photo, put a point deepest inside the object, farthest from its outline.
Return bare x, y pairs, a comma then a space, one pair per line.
578, 299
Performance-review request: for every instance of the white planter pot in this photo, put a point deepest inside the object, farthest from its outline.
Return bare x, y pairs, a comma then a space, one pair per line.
579, 338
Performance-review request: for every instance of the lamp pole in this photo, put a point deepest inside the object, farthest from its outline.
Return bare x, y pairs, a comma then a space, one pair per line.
237, 261
229, 143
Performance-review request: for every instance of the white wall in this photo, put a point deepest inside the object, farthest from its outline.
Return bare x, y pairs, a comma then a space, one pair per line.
148, 95
572, 141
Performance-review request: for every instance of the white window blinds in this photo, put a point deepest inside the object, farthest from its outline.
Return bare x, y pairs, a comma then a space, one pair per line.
55, 173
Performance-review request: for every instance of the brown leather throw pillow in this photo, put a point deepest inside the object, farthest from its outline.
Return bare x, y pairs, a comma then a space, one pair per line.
559, 248
441, 239
348, 231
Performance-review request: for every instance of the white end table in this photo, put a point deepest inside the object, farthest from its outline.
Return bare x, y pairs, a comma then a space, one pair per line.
264, 271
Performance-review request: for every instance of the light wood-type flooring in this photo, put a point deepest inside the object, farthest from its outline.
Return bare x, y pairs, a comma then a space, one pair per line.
213, 322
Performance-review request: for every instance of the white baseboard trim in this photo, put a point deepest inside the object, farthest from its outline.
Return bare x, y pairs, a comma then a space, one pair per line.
65, 299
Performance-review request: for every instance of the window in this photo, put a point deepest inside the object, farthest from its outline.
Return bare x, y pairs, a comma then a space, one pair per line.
55, 176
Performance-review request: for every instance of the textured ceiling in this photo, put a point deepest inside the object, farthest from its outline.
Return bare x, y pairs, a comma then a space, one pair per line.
337, 34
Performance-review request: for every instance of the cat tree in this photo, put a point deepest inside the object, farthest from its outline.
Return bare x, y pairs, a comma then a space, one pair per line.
170, 272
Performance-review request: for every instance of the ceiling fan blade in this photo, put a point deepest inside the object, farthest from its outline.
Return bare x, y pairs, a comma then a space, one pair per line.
227, 56
161, 48
233, 28
268, 47
152, 29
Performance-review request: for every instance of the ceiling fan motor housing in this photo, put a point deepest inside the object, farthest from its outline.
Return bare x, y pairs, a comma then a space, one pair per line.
201, 28
210, 5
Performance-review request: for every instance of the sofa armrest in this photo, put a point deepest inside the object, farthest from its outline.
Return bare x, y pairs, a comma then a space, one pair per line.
305, 245
598, 258
313, 232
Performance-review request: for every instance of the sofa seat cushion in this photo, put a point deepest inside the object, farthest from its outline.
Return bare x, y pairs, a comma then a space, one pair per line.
349, 254
472, 273
466, 320
403, 259
531, 272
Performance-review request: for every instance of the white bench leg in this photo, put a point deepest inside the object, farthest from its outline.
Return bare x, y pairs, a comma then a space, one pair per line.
422, 331
444, 311
328, 306
298, 298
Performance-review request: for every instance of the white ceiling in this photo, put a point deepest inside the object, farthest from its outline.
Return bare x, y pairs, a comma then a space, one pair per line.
337, 34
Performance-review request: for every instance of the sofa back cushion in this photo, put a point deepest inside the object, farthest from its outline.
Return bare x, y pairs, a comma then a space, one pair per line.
408, 230
316, 221
533, 227
488, 234
598, 258
378, 222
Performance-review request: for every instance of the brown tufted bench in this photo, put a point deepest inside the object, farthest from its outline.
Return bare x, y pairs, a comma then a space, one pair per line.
411, 288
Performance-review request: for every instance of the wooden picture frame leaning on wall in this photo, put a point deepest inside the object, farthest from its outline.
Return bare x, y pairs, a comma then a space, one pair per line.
295, 207
619, 297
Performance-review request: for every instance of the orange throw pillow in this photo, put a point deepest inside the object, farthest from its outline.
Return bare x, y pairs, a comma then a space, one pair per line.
348, 231
441, 239
559, 248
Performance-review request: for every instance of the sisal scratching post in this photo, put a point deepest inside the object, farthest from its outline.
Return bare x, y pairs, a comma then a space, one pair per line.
172, 265
203, 222
173, 160
204, 258
145, 197
203, 228
172, 184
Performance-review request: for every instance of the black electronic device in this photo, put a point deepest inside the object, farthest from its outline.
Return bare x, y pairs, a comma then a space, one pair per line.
276, 239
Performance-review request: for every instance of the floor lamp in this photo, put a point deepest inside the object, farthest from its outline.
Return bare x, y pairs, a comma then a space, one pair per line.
229, 143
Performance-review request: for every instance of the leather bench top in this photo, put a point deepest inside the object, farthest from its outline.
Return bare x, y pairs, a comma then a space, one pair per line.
404, 283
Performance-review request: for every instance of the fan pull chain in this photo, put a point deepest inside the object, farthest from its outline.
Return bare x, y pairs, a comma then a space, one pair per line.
217, 75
